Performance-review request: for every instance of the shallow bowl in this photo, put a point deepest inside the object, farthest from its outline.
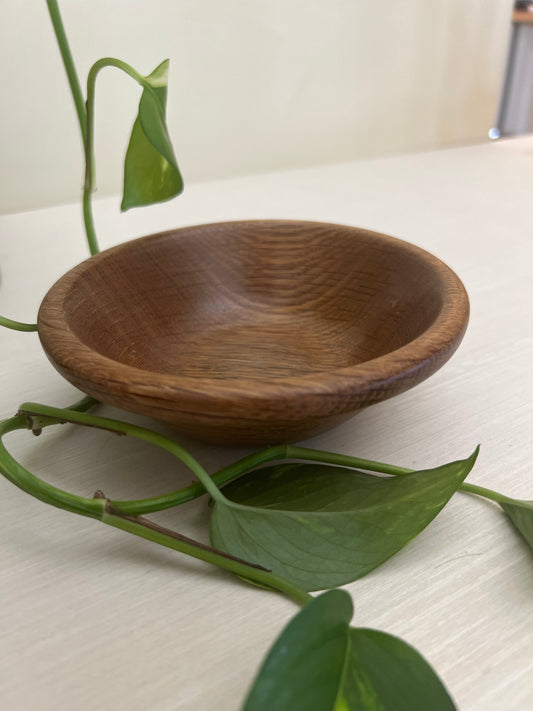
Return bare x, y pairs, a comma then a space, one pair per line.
253, 332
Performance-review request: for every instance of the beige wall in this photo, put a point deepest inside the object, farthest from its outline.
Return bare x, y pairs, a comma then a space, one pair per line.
255, 85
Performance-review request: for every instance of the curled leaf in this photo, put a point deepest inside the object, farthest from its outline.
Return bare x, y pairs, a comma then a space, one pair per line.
151, 172
320, 526
320, 663
521, 514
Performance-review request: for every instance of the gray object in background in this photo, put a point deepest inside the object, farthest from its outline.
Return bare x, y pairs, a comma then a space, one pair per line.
515, 115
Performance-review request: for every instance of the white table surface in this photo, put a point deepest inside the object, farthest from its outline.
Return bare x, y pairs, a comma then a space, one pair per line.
94, 619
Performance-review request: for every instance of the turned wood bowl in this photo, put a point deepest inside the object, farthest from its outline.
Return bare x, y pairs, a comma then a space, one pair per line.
255, 332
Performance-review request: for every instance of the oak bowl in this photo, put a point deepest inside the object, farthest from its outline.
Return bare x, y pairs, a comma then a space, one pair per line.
254, 332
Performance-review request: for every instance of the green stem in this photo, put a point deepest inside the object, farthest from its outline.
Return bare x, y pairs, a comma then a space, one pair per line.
152, 532
343, 460
69, 65
98, 507
41, 490
91, 90
486, 493
251, 461
17, 325
75, 88
79, 102
25, 480
212, 484
278, 453
288, 451
193, 491
139, 507
39, 413
125, 514
88, 220
89, 184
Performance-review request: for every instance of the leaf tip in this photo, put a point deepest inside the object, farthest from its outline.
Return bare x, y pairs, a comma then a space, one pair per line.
159, 77
471, 460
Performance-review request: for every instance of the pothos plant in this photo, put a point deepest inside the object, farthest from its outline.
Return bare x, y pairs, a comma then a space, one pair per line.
309, 521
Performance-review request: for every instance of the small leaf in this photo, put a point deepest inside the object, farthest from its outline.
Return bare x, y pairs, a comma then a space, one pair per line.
151, 172
320, 663
320, 526
521, 514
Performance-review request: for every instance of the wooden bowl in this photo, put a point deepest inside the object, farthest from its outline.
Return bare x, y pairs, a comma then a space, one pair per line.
253, 332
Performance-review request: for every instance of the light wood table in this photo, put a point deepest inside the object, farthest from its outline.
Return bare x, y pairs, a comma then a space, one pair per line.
93, 619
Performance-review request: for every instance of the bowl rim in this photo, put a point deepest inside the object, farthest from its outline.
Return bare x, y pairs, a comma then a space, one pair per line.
437, 343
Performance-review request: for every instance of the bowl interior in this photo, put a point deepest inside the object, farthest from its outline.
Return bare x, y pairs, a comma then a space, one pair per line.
256, 300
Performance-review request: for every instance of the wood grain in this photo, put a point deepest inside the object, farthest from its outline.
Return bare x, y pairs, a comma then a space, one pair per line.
253, 332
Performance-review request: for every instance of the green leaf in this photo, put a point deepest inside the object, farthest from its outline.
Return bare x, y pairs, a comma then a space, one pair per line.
320, 663
151, 172
320, 526
521, 514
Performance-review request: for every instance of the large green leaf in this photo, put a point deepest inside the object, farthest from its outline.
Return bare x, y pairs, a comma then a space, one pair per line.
521, 514
320, 526
151, 172
320, 663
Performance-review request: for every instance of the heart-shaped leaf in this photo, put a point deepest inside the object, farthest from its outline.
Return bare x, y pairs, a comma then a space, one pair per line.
521, 514
151, 172
320, 526
320, 663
